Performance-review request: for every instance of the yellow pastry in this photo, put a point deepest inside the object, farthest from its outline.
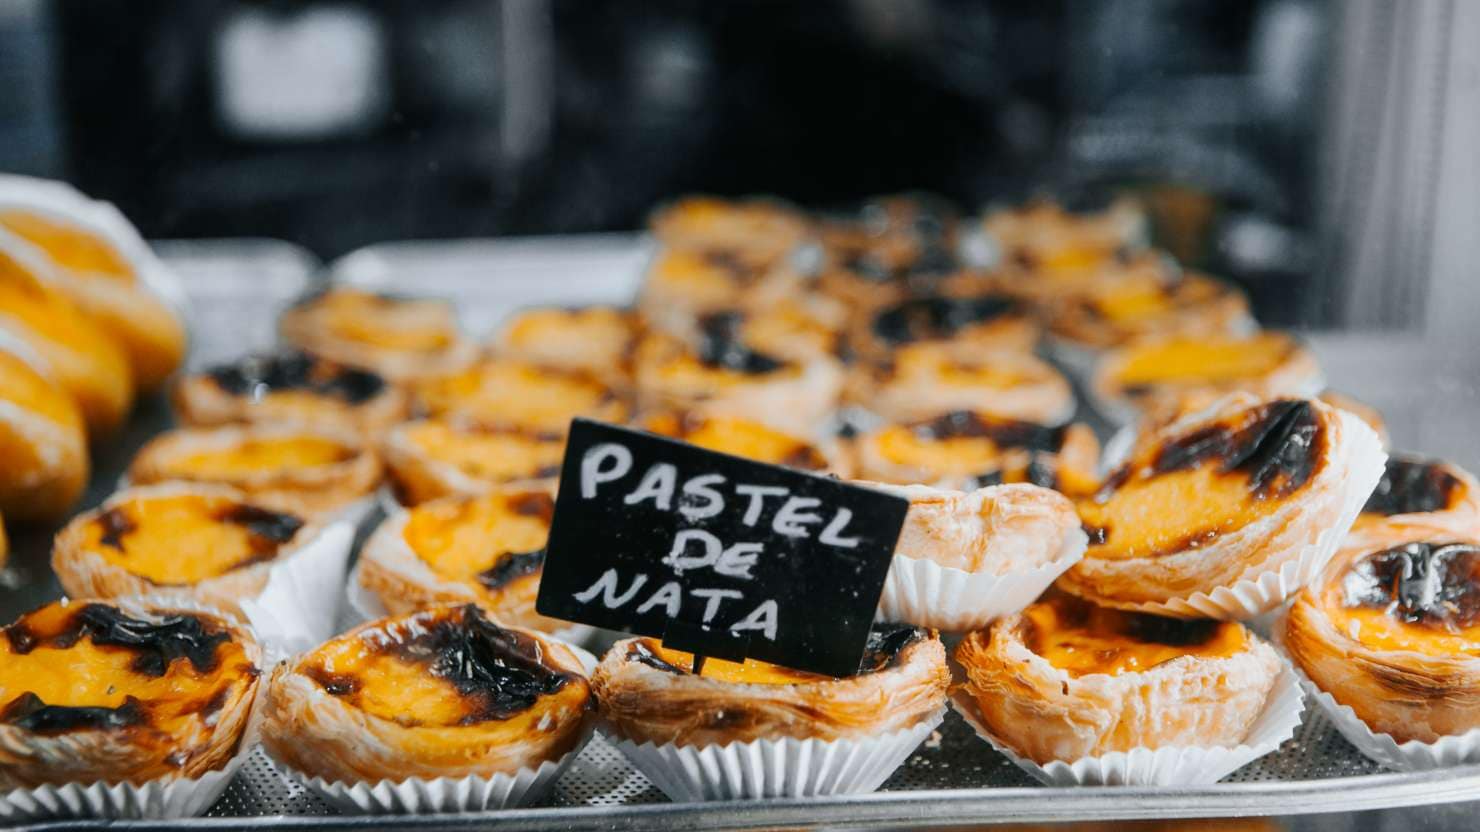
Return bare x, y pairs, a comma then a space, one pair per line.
1392, 630
443, 692
753, 232
519, 395
43, 447
992, 321
125, 692
596, 340
1043, 235
923, 381
434, 458
1427, 493
745, 438
1065, 679
401, 339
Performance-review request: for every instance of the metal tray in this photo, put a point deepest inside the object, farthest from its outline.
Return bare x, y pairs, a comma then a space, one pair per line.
1427, 391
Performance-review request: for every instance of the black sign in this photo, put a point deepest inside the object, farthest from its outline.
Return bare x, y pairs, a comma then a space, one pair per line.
715, 554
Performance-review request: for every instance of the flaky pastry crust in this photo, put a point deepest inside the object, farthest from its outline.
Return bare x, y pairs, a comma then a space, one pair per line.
1046, 713
417, 473
344, 325
1408, 693
997, 529
318, 489
184, 721
646, 703
201, 399
85, 572
312, 723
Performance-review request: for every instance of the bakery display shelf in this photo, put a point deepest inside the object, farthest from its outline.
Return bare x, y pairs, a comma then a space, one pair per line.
237, 288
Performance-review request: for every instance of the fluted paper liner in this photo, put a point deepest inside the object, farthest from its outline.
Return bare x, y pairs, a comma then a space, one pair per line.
166, 798
920, 591
416, 795
366, 607
1167, 766
1262, 591
1413, 755
299, 606
775, 768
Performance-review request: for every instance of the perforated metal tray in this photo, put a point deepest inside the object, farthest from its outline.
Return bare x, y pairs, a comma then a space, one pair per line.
238, 288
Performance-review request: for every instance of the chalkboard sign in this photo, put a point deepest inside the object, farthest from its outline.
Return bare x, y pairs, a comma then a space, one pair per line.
715, 554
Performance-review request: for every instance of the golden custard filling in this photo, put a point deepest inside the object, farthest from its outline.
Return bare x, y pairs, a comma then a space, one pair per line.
183, 539
445, 668
514, 393
392, 323
68, 246
740, 437
88, 666
939, 363
1083, 639
596, 329
488, 453
1205, 359
882, 651
1422, 596
488, 541
1191, 489
259, 454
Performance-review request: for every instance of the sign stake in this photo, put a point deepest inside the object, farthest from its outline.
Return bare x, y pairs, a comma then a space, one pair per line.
699, 659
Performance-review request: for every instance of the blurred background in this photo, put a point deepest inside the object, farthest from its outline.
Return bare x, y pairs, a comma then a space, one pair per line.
1320, 154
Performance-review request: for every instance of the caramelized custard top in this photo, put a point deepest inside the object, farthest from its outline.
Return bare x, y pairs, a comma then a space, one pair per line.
968, 444
1083, 639
939, 317
489, 541
181, 539
885, 643
487, 453
411, 325
443, 667
1204, 360
1193, 488
260, 376
519, 394
740, 437
1422, 596
1413, 486
84, 666
259, 454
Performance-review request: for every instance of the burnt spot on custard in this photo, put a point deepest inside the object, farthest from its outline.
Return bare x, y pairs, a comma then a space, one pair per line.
730, 263
1277, 449
721, 347
1411, 486
804, 457
534, 504
511, 567
334, 684
267, 530
1004, 433
1429, 584
115, 523
935, 317
260, 375
29, 713
886, 643
1144, 628
156, 643
499, 673
983, 480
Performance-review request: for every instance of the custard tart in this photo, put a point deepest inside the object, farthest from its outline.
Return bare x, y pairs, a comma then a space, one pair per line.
683, 284
442, 692
991, 321
1226, 512
100, 262
208, 543
520, 395
1065, 679
433, 458
966, 450
1115, 312
66, 346
722, 374
1392, 631
1427, 493
648, 693
923, 381
1158, 374
43, 445
753, 232
596, 340
487, 550
284, 467
745, 438
294, 388
799, 326
1046, 235
399, 338
122, 692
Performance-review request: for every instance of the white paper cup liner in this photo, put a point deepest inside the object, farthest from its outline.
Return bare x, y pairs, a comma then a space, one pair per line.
299, 606
358, 513
922, 592
1261, 592
386, 499
775, 768
364, 606
1169, 766
415, 795
1413, 755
